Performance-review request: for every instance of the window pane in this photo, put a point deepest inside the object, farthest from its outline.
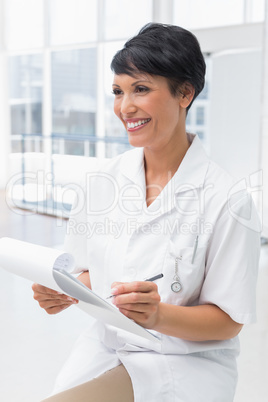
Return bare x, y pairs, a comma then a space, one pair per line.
189, 118
74, 94
20, 143
73, 21
24, 23
258, 10
26, 87
197, 118
200, 116
113, 126
192, 14
67, 147
204, 93
125, 18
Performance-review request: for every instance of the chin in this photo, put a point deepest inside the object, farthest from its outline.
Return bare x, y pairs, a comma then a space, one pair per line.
140, 138
136, 142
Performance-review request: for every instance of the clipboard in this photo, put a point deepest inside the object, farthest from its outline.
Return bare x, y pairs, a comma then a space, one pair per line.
53, 268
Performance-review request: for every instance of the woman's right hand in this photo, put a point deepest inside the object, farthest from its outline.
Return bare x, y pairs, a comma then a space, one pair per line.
51, 301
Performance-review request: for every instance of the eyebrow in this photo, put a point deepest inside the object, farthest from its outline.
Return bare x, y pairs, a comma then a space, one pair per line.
134, 83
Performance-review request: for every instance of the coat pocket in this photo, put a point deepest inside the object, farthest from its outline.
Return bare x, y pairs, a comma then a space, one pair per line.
183, 274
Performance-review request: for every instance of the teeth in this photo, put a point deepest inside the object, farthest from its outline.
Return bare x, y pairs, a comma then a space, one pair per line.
138, 123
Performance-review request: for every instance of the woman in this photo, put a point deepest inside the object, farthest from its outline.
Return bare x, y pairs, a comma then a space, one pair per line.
170, 211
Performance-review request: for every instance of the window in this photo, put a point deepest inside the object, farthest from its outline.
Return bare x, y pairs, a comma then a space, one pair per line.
74, 91
204, 93
72, 21
24, 24
124, 19
257, 10
197, 118
26, 91
195, 14
73, 79
192, 14
200, 115
113, 126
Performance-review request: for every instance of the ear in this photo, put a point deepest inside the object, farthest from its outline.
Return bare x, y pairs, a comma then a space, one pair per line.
187, 91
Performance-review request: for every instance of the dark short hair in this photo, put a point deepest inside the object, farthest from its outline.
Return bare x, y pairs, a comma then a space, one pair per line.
166, 50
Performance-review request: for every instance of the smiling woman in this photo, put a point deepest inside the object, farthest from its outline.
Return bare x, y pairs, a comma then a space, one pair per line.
207, 287
148, 99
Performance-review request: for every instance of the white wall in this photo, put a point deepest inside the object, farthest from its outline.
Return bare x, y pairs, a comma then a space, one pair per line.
235, 111
264, 125
218, 39
4, 121
4, 109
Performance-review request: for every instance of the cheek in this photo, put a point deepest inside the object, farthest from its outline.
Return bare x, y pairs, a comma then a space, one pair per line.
171, 112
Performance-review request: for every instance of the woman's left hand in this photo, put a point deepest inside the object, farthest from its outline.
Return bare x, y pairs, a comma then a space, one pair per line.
138, 301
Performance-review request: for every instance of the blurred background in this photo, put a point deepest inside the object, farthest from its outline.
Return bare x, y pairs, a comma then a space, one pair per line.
56, 108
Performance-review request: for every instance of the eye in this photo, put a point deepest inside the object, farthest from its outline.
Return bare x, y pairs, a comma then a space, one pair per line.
141, 89
116, 91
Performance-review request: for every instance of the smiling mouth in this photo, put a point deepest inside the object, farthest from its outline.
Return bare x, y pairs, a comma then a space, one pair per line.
137, 125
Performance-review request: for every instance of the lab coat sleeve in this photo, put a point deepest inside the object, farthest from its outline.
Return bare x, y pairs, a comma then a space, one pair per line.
232, 261
76, 232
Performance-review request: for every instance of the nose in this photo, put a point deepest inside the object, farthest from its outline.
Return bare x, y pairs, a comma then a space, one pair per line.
127, 105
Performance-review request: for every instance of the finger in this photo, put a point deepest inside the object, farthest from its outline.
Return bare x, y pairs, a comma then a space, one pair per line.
139, 318
137, 308
57, 309
46, 297
36, 287
114, 286
55, 303
128, 287
149, 298
131, 298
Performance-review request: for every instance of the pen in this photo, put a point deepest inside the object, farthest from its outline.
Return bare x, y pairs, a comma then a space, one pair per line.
195, 248
152, 279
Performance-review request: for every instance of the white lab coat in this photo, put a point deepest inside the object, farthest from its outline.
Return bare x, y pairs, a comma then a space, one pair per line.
116, 237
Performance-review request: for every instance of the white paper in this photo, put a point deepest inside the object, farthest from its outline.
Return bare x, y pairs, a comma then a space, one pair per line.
52, 268
33, 262
98, 307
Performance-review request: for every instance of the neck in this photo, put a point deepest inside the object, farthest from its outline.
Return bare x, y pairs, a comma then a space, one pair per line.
165, 162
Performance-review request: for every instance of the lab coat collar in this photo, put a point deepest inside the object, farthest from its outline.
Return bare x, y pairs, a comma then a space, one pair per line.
132, 166
190, 175
191, 172
193, 168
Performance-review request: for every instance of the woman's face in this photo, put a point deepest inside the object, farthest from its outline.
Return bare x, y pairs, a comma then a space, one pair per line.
151, 115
